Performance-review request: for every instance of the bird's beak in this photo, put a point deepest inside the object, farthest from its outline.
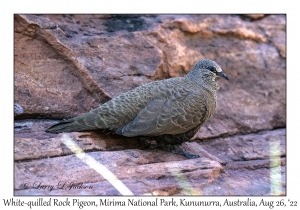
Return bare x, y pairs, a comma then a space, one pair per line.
222, 74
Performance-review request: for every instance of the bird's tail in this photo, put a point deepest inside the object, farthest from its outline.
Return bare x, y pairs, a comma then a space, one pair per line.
70, 125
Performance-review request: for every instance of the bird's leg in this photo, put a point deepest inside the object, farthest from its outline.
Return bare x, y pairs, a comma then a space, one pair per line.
177, 149
148, 142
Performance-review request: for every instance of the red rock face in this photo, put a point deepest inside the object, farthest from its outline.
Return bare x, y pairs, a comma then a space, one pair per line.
66, 65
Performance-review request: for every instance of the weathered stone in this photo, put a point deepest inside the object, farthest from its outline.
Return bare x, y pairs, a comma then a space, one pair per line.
124, 165
240, 181
247, 147
66, 65
245, 158
42, 77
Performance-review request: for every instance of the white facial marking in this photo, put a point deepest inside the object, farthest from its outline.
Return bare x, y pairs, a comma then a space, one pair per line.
219, 69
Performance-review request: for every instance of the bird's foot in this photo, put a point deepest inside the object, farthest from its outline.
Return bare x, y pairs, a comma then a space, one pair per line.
177, 149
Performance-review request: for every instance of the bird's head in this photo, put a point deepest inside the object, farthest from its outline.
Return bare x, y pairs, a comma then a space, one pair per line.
205, 72
211, 66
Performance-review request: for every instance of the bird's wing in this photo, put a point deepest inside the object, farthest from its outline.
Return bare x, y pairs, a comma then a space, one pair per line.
176, 108
111, 115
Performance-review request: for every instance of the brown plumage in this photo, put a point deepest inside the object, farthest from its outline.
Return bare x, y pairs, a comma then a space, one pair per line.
173, 110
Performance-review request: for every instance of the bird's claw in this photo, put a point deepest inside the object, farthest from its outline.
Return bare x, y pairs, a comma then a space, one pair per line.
176, 149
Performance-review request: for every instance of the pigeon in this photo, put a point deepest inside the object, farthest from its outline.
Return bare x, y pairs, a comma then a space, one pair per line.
170, 111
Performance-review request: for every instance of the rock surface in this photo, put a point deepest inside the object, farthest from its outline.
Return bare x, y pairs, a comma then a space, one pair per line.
66, 65
247, 164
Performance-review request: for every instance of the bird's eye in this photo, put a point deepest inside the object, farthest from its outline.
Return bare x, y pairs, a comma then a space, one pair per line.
213, 69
